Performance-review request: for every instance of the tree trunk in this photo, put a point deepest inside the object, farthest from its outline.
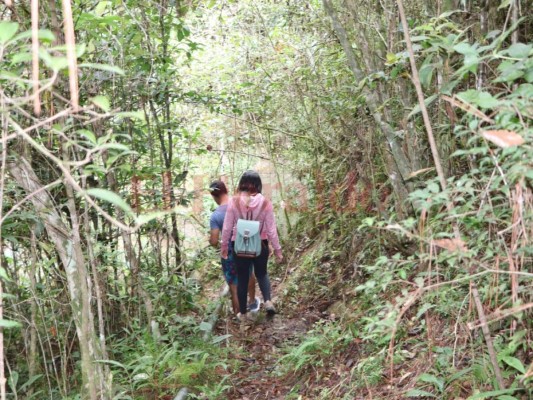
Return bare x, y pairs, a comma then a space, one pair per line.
67, 242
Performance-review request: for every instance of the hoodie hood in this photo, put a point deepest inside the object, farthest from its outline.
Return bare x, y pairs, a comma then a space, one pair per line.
252, 202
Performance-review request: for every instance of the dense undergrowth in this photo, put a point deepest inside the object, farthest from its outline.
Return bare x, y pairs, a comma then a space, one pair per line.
406, 288
435, 353
409, 287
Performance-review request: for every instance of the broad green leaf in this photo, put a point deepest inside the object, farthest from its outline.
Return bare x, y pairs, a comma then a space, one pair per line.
104, 67
504, 3
479, 98
427, 102
144, 218
421, 312
101, 7
519, 50
471, 54
55, 63
5, 323
419, 38
7, 75
433, 187
492, 393
506, 397
80, 50
509, 71
446, 14
45, 35
464, 48
21, 57
112, 362
220, 338
426, 74
7, 31
115, 146
101, 102
419, 393
131, 114
182, 32
515, 363
114, 157
140, 377
528, 76
438, 382
205, 326
525, 90
13, 380
29, 382
90, 136
3, 274
110, 197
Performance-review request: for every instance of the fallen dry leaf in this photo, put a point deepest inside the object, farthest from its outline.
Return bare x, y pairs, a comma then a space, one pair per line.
450, 244
503, 138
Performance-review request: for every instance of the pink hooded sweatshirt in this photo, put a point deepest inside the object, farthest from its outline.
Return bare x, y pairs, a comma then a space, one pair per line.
266, 219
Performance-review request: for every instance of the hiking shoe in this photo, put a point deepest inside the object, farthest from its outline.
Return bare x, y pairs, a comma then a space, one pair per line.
270, 309
254, 307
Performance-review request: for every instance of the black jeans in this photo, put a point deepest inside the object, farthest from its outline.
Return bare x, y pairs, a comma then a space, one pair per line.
244, 269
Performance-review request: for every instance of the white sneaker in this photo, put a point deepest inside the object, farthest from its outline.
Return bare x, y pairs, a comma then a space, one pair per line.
254, 307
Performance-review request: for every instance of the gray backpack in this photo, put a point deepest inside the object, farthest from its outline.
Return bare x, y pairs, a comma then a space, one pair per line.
248, 236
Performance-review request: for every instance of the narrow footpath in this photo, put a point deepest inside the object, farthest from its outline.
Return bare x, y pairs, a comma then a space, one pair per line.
260, 346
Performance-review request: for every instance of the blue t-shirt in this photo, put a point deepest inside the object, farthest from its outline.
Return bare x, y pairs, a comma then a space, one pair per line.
217, 218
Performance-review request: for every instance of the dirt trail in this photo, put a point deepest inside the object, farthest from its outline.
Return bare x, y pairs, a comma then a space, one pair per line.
261, 345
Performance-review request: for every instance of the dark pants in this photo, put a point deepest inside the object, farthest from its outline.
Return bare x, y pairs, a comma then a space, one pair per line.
244, 269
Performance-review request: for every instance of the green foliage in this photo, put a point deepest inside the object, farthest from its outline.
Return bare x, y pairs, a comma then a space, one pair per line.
175, 359
162, 91
319, 345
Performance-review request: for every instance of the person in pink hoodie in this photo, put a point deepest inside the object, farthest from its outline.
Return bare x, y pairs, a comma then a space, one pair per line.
251, 200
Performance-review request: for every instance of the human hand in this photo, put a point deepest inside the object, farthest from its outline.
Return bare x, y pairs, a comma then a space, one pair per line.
279, 258
224, 254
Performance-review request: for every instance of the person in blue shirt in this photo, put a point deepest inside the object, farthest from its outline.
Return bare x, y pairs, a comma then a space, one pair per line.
219, 192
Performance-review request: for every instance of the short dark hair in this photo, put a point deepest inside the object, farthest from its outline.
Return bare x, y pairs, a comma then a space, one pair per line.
218, 188
250, 182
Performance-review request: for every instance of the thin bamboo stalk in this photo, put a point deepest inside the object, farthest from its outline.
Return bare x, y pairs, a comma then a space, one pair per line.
35, 55
70, 42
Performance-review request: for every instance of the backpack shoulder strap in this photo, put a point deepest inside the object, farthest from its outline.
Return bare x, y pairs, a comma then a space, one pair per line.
237, 202
263, 207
